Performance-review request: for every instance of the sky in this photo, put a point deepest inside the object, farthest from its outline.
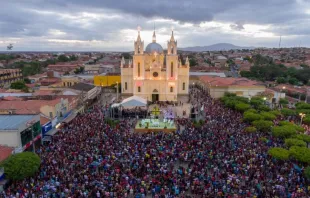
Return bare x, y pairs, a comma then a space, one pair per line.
111, 25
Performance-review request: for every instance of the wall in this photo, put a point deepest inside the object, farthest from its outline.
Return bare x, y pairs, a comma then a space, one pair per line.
106, 80
248, 92
10, 138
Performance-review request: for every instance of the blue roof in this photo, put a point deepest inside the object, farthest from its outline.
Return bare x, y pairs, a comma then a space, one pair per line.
12, 122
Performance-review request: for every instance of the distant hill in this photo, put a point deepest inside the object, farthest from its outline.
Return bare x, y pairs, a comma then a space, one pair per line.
215, 47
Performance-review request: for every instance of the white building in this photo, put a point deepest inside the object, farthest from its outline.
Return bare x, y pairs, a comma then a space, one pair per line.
154, 75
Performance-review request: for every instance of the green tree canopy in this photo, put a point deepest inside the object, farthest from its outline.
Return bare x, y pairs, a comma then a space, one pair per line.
284, 131
250, 116
287, 112
301, 154
242, 107
63, 58
21, 165
262, 125
268, 116
283, 101
18, 85
294, 142
279, 153
303, 137
250, 129
307, 172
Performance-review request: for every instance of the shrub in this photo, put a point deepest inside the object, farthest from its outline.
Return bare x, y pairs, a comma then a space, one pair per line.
301, 154
279, 153
263, 139
250, 129
295, 142
262, 125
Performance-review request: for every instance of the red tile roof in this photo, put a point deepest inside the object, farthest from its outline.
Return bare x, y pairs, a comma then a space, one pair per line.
5, 152
44, 120
219, 81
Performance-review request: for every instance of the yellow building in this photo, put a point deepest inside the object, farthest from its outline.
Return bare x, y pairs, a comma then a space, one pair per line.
106, 80
7, 76
154, 75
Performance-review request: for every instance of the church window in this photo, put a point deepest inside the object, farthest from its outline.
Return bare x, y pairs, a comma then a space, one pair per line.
125, 85
171, 50
183, 86
155, 74
138, 49
139, 89
171, 69
138, 69
171, 89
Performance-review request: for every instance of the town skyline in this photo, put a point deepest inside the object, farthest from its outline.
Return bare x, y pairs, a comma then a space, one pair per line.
112, 26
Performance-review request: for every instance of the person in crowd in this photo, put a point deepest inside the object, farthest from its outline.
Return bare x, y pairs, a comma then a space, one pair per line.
89, 158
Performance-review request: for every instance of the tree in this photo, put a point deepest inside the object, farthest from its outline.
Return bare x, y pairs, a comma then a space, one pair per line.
192, 62
255, 102
63, 58
307, 172
287, 112
21, 165
18, 85
268, 116
250, 116
303, 137
279, 153
275, 112
250, 129
293, 81
263, 108
281, 80
306, 120
283, 101
242, 107
126, 55
294, 142
284, 131
262, 125
27, 80
301, 154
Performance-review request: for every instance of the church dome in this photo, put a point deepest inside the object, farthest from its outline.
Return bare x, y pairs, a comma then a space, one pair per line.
154, 47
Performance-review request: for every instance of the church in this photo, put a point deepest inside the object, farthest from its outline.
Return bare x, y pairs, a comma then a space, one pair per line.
153, 74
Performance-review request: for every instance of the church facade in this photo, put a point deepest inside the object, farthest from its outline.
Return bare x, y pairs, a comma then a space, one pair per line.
154, 75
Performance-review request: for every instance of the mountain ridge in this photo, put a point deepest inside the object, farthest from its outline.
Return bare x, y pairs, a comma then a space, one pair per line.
215, 47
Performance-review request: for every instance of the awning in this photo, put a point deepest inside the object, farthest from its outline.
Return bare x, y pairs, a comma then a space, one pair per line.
134, 101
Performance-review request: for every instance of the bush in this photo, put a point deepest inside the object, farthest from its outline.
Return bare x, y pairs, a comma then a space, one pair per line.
250, 129
262, 125
279, 153
251, 111
21, 165
250, 117
242, 107
256, 102
287, 112
283, 131
268, 116
301, 154
294, 142
283, 101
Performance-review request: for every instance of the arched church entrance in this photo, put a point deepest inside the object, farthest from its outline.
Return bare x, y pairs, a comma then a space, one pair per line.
155, 96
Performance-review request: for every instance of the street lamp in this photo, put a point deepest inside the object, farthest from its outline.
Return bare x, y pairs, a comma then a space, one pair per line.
302, 115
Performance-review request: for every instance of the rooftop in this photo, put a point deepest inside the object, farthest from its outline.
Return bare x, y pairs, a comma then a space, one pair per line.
5, 152
82, 87
12, 122
218, 81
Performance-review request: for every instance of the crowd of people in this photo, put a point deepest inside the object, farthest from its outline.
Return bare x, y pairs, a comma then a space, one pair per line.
89, 158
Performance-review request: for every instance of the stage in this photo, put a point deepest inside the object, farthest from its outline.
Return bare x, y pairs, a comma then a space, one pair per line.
155, 125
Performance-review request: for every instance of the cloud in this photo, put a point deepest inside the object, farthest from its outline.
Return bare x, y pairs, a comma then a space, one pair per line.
111, 24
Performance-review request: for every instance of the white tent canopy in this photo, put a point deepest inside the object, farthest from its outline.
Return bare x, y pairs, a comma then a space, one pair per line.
134, 101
